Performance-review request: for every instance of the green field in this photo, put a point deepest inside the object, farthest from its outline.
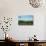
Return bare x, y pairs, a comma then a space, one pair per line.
21, 22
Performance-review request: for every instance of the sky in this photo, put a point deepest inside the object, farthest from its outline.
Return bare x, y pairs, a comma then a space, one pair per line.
26, 18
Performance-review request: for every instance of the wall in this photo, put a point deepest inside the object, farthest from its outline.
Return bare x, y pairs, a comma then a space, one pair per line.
14, 8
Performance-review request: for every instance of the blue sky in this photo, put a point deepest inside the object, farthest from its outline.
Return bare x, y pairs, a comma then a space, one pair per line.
26, 18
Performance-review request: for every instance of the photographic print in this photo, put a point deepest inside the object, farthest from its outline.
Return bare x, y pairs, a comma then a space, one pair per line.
25, 20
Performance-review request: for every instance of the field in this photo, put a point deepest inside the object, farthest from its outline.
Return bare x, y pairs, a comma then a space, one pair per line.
21, 22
